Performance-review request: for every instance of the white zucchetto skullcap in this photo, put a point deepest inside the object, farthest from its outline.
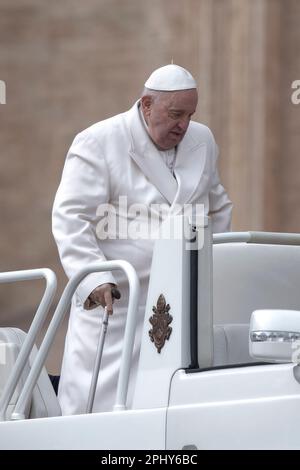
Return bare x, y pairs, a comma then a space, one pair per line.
170, 78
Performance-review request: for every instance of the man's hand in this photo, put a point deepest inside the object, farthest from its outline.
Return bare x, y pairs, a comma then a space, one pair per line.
103, 295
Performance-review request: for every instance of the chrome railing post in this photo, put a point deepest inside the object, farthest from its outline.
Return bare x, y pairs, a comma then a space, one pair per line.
35, 328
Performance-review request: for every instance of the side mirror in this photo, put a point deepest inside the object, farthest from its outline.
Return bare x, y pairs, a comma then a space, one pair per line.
275, 335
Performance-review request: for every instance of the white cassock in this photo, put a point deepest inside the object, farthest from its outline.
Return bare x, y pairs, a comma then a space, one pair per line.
110, 159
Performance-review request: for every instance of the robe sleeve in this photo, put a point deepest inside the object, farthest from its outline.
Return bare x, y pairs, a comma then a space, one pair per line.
84, 185
220, 206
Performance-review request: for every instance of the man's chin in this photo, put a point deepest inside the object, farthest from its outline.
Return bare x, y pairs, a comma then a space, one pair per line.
175, 139
166, 146
169, 143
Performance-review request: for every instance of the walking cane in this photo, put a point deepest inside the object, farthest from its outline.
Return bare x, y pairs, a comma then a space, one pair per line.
115, 294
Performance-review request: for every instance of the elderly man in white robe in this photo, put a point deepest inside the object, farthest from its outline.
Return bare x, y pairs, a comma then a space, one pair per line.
151, 154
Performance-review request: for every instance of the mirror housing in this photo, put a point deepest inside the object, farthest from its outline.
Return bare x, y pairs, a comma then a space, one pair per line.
275, 335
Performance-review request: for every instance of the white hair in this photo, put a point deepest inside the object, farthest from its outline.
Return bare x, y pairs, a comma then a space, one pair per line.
155, 94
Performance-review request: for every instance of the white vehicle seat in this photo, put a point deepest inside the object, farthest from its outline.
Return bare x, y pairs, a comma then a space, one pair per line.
44, 401
231, 345
247, 277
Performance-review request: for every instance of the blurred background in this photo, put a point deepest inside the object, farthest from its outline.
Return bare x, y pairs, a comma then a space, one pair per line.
68, 64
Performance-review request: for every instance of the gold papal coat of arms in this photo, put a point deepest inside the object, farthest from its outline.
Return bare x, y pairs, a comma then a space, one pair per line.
160, 322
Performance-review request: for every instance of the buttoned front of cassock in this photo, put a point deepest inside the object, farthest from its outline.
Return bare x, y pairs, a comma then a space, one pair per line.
112, 159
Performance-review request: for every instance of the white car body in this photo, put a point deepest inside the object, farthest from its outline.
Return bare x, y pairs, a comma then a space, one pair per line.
229, 400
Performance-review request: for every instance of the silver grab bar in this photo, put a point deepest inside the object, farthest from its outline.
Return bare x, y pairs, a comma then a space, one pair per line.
58, 316
37, 323
270, 238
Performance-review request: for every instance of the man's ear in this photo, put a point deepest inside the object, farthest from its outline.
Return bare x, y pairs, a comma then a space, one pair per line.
146, 102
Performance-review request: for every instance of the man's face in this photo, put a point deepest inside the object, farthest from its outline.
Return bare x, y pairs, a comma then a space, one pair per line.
168, 115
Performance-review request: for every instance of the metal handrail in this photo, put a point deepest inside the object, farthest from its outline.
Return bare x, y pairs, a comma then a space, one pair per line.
269, 238
34, 330
58, 316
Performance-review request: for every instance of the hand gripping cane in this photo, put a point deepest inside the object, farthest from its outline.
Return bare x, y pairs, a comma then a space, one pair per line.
115, 294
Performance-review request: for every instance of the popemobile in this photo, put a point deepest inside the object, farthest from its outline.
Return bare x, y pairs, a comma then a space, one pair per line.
218, 367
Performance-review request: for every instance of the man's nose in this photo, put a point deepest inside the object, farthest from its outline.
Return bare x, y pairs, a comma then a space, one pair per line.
183, 124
